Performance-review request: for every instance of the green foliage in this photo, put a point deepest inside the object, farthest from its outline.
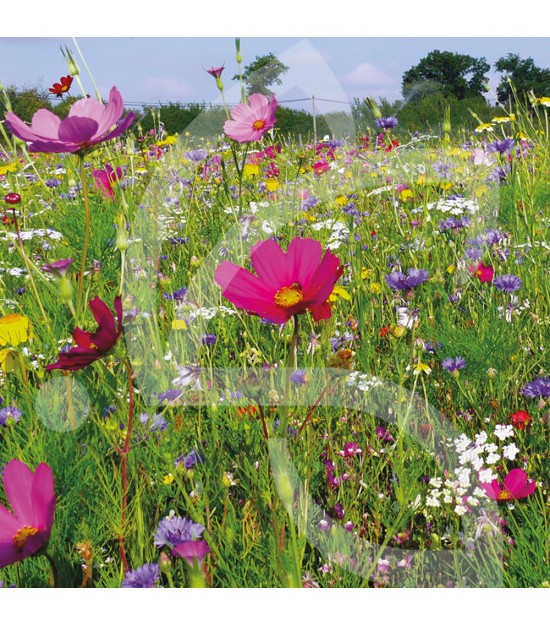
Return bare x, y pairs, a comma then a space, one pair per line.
523, 76
25, 102
262, 73
458, 75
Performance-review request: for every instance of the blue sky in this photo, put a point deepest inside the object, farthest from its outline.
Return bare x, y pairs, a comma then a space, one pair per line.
334, 51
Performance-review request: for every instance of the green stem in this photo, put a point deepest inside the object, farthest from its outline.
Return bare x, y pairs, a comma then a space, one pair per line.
290, 368
86, 233
54, 570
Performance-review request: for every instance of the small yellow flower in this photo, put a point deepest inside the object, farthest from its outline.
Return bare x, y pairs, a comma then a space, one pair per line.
421, 368
445, 186
14, 329
179, 324
483, 127
375, 288
500, 120
366, 273
339, 291
397, 331
9, 360
545, 101
10, 167
421, 181
406, 194
341, 200
451, 269
251, 169
168, 479
272, 184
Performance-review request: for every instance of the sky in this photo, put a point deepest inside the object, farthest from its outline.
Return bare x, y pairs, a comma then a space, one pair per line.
127, 51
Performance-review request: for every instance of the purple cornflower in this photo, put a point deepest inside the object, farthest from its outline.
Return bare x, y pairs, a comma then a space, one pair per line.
171, 394
299, 377
10, 412
173, 530
537, 388
454, 223
196, 155
308, 202
178, 295
399, 281
386, 122
452, 365
190, 460
507, 283
209, 339
145, 576
502, 147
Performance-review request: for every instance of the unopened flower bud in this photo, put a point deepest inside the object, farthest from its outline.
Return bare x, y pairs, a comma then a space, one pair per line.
122, 242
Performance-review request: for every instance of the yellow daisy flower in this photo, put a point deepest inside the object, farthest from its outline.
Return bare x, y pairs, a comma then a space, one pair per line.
14, 329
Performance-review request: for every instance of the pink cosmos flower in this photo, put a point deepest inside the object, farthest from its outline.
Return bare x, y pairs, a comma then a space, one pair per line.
190, 550
516, 486
31, 496
485, 273
286, 284
105, 180
89, 122
251, 122
216, 72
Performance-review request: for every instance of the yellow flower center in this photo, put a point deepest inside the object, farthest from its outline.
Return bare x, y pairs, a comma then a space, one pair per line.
504, 495
20, 539
289, 296
93, 346
258, 124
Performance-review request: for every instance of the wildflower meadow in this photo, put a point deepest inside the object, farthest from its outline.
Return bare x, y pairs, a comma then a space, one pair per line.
247, 359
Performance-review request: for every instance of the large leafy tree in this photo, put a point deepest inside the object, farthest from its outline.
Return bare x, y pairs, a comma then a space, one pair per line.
450, 73
262, 73
524, 75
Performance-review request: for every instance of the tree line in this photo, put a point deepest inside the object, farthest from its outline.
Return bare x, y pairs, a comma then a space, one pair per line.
439, 82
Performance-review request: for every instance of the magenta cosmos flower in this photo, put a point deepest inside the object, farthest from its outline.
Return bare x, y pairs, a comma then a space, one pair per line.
89, 122
31, 496
251, 122
92, 346
286, 284
191, 550
106, 179
516, 486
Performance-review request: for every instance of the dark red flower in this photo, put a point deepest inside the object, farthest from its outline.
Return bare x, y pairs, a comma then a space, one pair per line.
12, 198
92, 346
59, 88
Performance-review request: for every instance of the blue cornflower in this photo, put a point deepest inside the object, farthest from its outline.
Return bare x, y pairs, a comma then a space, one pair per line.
502, 147
178, 295
190, 460
386, 122
507, 283
399, 281
145, 576
299, 377
209, 339
453, 365
196, 155
10, 412
173, 530
537, 388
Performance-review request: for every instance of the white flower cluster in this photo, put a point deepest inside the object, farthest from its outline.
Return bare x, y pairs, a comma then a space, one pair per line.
363, 381
339, 232
455, 206
476, 459
28, 235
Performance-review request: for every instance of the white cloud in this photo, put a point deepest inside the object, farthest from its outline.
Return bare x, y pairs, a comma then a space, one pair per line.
368, 76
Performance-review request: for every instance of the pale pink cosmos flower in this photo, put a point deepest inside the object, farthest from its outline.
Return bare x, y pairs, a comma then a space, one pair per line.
31, 496
89, 123
251, 121
286, 284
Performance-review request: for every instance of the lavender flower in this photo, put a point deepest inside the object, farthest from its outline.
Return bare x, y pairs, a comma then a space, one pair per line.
196, 155
399, 281
507, 283
173, 530
145, 576
537, 388
453, 365
386, 122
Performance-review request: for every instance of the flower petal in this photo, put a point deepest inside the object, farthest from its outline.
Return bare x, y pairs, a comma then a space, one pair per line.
18, 480
77, 129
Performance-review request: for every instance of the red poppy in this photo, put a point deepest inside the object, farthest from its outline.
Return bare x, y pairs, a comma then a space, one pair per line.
520, 419
92, 346
59, 88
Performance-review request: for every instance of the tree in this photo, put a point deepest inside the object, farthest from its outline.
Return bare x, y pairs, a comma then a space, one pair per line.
458, 75
263, 72
524, 75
